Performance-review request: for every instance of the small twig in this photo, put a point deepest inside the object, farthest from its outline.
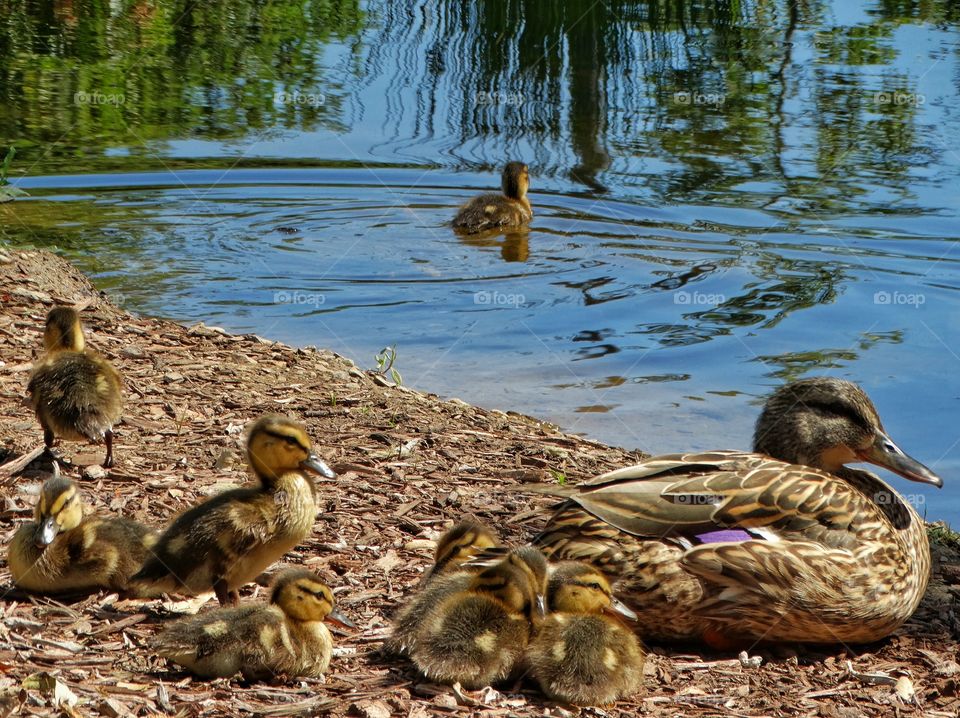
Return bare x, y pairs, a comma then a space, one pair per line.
10, 468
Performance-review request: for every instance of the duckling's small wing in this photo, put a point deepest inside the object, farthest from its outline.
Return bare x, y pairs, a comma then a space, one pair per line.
220, 642
198, 535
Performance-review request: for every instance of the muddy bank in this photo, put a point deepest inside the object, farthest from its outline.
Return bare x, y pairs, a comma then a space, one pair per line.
409, 463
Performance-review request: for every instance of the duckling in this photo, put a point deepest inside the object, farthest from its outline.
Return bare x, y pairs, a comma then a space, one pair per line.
465, 541
494, 211
581, 654
477, 635
228, 540
462, 543
74, 391
61, 551
286, 637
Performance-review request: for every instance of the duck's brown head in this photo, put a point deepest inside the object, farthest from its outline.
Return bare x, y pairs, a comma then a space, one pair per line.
826, 423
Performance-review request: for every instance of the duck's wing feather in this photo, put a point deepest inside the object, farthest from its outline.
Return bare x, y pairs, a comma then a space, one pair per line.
696, 495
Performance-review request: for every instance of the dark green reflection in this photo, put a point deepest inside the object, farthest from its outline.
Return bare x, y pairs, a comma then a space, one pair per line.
77, 78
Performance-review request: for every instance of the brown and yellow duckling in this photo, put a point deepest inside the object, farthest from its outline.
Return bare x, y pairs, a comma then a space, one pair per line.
497, 211
74, 391
477, 636
582, 654
286, 637
465, 541
62, 551
786, 544
228, 540
448, 575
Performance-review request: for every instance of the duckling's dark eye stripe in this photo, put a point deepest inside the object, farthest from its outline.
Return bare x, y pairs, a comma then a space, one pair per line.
61, 501
287, 437
593, 586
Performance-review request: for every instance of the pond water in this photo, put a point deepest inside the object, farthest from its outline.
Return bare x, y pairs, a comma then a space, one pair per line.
728, 195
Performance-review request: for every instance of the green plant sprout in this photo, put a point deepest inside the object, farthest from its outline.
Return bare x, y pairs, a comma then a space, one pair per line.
385, 361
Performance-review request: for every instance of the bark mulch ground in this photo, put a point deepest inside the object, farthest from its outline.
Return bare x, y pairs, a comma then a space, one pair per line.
409, 464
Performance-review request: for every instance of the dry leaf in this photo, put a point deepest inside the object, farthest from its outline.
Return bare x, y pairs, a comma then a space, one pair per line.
904, 689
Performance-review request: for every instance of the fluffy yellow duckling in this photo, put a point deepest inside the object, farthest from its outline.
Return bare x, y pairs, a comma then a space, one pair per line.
496, 211
465, 541
286, 637
61, 551
581, 654
74, 391
228, 540
476, 636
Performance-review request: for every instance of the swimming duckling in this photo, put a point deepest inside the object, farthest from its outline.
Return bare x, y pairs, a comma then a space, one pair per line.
476, 636
465, 541
286, 637
61, 551
229, 539
581, 654
74, 391
493, 211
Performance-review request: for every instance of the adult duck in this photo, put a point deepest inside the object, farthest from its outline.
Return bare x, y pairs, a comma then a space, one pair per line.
786, 544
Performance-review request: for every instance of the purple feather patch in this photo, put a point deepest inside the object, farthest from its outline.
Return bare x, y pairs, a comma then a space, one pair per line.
725, 536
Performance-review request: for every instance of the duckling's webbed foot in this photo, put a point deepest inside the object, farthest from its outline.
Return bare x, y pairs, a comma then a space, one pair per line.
52, 455
108, 440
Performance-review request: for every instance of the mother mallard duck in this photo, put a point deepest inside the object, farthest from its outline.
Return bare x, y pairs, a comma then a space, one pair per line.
780, 545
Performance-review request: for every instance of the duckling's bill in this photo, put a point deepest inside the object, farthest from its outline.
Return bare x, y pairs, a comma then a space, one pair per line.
316, 465
541, 605
338, 619
619, 607
46, 532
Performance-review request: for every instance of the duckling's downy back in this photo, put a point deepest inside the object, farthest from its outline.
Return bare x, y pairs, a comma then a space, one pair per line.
477, 636
284, 637
75, 393
495, 211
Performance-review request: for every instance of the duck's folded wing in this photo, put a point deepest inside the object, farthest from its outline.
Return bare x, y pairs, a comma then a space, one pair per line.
724, 497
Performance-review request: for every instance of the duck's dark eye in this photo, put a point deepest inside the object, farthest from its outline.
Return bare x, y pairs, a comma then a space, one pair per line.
290, 440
